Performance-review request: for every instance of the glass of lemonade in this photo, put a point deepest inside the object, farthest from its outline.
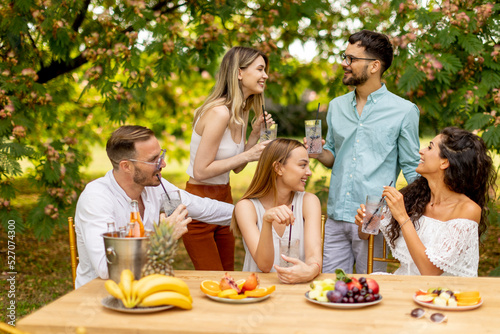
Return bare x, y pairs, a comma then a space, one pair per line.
171, 202
291, 249
313, 135
375, 210
268, 132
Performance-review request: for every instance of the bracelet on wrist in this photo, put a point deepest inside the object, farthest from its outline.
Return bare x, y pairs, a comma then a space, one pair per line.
406, 221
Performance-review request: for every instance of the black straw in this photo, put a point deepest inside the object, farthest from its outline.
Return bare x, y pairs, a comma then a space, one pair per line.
290, 236
165, 190
317, 114
264, 114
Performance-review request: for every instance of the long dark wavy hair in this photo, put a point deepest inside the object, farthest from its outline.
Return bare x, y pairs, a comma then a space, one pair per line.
470, 173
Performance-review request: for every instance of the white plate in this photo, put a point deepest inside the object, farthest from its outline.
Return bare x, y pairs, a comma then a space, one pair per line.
342, 305
447, 308
114, 304
247, 300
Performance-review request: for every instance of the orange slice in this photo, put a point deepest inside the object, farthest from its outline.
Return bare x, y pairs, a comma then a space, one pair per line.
226, 293
467, 294
237, 296
469, 303
209, 287
260, 292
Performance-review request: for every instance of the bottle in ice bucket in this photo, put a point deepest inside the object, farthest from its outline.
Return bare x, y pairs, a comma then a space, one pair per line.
135, 217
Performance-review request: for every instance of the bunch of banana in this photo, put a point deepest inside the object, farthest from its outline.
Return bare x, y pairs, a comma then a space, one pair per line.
152, 290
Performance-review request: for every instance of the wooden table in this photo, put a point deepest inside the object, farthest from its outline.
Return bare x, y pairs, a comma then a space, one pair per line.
286, 311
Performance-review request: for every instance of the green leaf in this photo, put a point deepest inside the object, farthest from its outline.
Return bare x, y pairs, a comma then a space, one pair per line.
478, 121
491, 137
490, 78
471, 43
411, 79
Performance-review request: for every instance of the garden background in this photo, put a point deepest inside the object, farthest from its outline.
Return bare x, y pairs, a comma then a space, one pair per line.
73, 71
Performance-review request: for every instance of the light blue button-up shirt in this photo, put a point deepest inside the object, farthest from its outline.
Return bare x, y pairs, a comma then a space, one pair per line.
370, 150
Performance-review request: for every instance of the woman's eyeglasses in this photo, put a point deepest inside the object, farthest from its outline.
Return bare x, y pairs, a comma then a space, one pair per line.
434, 317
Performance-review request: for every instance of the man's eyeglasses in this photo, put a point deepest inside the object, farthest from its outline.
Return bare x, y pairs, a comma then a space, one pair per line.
434, 317
156, 163
348, 58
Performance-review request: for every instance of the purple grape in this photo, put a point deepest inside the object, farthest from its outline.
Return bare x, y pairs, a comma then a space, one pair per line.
345, 300
376, 296
355, 290
334, 296
351, 300
362, 280
369, 298
360, 299
341, 286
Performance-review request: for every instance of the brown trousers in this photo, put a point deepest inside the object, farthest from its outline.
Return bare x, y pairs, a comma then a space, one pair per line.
210, 247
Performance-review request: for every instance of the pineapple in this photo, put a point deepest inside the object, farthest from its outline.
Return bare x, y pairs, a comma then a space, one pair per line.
161, 252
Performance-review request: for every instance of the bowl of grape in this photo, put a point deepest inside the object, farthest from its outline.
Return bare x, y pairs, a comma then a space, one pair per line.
344, 292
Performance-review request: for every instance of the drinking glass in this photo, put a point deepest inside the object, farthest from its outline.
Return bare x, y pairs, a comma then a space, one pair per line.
291, 249
313, 135
268, 132
171, 202
375, 209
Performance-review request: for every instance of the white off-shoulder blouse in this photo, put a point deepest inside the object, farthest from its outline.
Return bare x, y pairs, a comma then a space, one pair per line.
452, 246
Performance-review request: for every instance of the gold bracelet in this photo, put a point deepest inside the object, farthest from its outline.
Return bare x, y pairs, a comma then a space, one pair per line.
406, 221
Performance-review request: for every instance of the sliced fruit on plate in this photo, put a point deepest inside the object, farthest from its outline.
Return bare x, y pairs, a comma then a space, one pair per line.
260, 292
240, 283
424, 298
421, 292
463, 303
226, 293
209, 287
241, 296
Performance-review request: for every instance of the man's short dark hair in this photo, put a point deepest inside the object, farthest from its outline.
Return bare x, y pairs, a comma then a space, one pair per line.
121, 144
376, 45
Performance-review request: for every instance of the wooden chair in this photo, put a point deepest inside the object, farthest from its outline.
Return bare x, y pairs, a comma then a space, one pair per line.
72, 248
323, 222
384, 258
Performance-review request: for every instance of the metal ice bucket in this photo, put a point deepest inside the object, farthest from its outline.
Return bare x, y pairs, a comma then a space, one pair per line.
125, 253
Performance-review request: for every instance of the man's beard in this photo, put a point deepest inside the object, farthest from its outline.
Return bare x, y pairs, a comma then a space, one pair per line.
141, 178
354, 80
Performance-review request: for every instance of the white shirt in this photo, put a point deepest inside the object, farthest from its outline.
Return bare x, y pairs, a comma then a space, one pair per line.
297, 233
103, 201
452, 246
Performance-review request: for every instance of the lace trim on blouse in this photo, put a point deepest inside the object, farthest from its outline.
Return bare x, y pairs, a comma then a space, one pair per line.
452, 246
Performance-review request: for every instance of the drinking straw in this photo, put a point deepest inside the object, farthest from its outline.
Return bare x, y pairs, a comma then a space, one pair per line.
165, 190
378, 207
316, 121
290, 236
317, 114
264, 114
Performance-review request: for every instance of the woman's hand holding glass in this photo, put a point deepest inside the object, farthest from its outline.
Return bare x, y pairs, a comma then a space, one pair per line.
259, 121
299, 271
179, 218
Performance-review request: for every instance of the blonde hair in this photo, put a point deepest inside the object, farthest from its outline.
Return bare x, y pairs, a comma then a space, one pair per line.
264, 179
227, 90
